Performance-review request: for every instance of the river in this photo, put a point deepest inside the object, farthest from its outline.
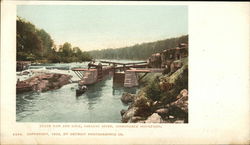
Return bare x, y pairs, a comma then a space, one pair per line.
101, 103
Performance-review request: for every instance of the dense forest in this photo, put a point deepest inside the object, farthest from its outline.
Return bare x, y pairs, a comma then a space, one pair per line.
36, 45
138, 51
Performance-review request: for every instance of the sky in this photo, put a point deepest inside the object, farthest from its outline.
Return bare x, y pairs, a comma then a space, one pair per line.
92, 27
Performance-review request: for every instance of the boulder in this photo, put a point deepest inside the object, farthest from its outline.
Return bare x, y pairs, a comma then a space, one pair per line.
144, 106
171, 117
141, 121
183, 93
44, 82
182, 102
179, 121
129, 114
179, 108
122, 112
154, 118
136, 119
25, 73
23, 86
162, 111
155, 103
172, 79
127, 98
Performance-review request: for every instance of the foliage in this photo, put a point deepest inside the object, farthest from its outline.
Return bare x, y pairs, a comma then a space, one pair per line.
153, 90
181, 83
138, 51
143, 105
35, 44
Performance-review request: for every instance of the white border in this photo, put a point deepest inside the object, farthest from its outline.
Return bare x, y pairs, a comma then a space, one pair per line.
218, 81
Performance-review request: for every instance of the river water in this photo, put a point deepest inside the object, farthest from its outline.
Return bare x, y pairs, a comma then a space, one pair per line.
101, 103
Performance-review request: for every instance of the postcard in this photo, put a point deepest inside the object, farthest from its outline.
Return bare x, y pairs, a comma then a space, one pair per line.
102, 72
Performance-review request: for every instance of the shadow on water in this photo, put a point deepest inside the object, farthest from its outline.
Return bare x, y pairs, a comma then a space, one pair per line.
118, 89
93, 94
96, 92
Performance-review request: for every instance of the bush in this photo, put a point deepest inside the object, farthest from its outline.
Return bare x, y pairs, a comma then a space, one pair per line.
181, 83
143, 105
153, 90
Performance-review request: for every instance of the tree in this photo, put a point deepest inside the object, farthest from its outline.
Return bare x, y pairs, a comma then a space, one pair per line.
28, 44
47, 42
37, 45
139, 51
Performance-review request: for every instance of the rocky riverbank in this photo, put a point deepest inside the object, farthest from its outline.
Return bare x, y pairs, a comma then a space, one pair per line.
144, 110
163, 100
43, 82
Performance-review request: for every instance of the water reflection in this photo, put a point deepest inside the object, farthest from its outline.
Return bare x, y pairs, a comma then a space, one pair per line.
25, 104
118, 89
93, 94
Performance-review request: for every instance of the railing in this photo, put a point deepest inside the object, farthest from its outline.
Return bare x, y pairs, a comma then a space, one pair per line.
119, 63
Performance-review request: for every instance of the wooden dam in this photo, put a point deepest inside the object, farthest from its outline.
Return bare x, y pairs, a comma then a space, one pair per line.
123, 73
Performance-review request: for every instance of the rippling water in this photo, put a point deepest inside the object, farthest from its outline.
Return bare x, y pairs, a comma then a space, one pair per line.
101, 103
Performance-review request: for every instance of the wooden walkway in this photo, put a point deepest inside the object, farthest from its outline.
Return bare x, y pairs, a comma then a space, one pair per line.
146, 70
125, 66
119, 63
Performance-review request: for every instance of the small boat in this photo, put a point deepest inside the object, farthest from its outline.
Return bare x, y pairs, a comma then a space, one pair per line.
81, 90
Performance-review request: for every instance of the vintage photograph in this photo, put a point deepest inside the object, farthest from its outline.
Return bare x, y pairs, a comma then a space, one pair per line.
102, 63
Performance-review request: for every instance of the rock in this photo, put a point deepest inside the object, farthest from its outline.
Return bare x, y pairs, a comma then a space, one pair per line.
136, 119
129, 114
172, 79
44, 82
144, 106
179, 108
162, 111
154, 118
166, 118
25, 73
179, 121
23, 86
141, 121
171, 117
127, 98
42, 86
183, 93
182, 102
155, 103
122, 112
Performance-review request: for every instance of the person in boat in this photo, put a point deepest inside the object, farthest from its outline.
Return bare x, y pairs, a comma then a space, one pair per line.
91, 63
82, 87
100, 66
